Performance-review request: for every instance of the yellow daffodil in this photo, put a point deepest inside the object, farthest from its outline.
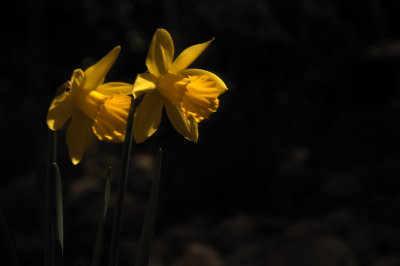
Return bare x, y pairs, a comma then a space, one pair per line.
92, 106
188, 95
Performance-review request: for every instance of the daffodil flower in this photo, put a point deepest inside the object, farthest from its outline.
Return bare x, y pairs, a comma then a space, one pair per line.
92, 106
188, 95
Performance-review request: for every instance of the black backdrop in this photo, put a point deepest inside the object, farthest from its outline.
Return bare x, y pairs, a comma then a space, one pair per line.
299, 166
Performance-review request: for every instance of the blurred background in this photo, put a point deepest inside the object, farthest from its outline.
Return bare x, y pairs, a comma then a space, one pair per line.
299, 166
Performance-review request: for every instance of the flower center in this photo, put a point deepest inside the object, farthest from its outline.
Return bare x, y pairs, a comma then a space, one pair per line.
88, 103
197, 96
109, 114
110, 121
172, 87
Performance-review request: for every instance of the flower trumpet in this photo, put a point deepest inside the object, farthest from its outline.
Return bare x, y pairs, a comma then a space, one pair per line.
188, 95
93, 107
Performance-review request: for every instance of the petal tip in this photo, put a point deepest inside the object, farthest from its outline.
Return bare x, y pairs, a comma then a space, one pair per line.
161, 30
139, 138
193, 139
114, 53
75, 161
209, 42
117, 48
50, 125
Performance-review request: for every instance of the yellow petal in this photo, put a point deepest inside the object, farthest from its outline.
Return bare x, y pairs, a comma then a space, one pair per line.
188, 56
187, 127
78, 136
60, 111
200, 72
111, 88
161, 53
96, 73
144, 82
78, 80
147, 116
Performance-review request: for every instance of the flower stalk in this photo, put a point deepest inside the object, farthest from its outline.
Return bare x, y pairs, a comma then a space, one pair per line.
54, 228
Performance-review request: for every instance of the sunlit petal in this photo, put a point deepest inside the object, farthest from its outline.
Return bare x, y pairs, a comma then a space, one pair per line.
96, 73
60, 111
172, 87
147, 116
88, 103
200, 72
78, 80
161, 53
111, 88
187, 127
188, 56
78, 136
144, 82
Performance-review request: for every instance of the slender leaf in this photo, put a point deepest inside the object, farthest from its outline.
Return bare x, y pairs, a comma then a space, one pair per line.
142, 258
49, 250
52, 146
107, 192
100, 232
57, 212
6, 245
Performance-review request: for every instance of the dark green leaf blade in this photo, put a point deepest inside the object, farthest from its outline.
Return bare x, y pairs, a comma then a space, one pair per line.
58, 215
6, 245
99, 238
49, 249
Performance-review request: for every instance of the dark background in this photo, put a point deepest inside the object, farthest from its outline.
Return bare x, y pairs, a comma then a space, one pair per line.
299, 166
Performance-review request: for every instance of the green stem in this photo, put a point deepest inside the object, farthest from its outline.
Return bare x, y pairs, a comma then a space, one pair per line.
57, 220
122, 182
54, 228
51, 158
